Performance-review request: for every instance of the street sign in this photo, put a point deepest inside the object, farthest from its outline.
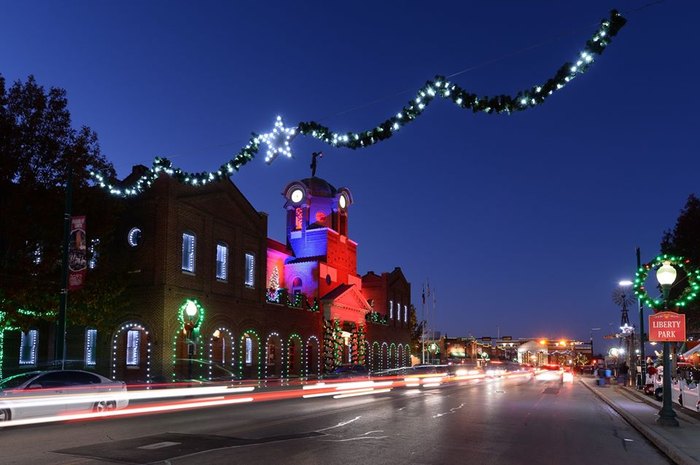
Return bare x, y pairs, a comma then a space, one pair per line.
485, 338
667, 327
507, 338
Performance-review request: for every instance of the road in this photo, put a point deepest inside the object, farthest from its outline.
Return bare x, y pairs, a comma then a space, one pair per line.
501, 421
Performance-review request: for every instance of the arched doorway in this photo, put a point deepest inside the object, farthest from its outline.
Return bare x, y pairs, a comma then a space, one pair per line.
189, 359
375, 356
391, 358
249, 355
294, 356
383, 356
221, 355
273, 356
313, 357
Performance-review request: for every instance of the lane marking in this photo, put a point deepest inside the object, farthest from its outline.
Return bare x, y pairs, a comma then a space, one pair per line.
342, 423
159, 445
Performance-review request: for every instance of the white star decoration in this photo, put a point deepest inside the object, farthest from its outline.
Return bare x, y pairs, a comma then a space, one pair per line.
278, 141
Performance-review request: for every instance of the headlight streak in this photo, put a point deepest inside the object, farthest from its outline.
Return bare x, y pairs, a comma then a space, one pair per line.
69, 399
132, 411
218, 395
341, 390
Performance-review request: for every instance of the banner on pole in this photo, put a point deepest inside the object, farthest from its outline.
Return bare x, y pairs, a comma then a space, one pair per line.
77, 253
667, 327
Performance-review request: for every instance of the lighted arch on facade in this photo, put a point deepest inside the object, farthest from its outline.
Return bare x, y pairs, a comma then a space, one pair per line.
368, 355
274, 355
407, 355
188, 350
120, 347
375, 356
312, 357
399, 356
383, 356
391, 355
221, 353
249, 355
295, 356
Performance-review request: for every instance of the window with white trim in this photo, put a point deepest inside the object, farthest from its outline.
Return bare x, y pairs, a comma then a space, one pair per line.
405, 313
221, 261
250, 270
90, 347
28, 347
391, 309
188, 251
133, 347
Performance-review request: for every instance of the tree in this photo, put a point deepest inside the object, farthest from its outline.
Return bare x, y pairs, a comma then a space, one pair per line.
416, 330
683, 241
38, 148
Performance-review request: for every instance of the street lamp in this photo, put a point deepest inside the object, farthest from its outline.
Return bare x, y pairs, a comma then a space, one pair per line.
666, 274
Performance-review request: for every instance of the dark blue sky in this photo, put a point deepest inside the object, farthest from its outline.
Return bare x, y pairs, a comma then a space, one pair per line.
523, 224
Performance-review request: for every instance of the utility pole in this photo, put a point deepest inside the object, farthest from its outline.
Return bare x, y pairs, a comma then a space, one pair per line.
642, 357
63, 306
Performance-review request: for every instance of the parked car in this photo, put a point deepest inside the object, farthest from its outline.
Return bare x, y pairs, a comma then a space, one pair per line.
45, 393
348, 371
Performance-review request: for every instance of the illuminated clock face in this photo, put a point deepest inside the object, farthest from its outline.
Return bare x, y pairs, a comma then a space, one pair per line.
297, 195
343, 201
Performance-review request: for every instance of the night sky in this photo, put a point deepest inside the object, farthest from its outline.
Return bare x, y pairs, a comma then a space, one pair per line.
523, 224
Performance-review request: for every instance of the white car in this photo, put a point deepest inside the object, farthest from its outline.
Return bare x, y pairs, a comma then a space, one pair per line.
46, 393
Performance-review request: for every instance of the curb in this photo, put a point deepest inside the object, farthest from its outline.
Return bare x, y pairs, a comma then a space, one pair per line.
670, 450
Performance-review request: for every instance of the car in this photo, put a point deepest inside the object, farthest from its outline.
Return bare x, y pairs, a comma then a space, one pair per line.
549, 372
348, 371
54, 392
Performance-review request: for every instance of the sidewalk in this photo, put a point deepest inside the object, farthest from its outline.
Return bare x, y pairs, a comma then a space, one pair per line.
681, 444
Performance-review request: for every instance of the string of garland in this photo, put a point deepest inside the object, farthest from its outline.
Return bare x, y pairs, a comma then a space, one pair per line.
328, 346
278, 140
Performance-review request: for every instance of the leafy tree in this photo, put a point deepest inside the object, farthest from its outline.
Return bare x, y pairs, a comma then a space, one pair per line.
416, 331
38, 148
683, 240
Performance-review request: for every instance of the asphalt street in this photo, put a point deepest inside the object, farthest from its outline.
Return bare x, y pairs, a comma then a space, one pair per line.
496, 421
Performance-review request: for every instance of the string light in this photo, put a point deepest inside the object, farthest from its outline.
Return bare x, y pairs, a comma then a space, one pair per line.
267, 350
689, 293
279, 139
290, 344
318, 354
253, 335
223, 335
115, 345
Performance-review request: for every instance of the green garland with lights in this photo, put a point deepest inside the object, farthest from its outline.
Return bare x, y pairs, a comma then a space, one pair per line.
688, 294
195, 332
278, 141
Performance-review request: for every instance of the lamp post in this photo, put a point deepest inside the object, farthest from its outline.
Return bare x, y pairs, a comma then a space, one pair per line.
666, 275
191, 312
623, 298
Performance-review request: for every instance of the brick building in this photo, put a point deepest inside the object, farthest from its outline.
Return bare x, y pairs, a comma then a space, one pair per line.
210, 295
